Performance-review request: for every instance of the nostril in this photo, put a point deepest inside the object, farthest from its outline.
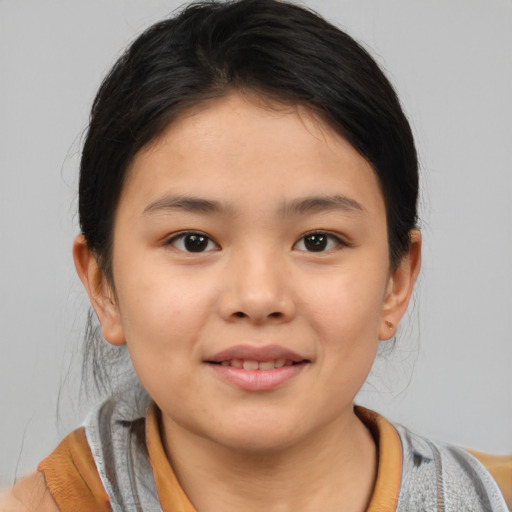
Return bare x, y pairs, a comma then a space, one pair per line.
275, 316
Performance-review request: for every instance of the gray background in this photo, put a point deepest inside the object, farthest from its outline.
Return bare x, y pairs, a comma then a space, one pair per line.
450, 373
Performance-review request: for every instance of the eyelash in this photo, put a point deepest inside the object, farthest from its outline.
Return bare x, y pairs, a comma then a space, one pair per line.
180, 239
330, 238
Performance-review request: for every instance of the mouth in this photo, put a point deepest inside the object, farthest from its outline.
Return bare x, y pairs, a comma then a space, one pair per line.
257, 368
249, 357
251, 364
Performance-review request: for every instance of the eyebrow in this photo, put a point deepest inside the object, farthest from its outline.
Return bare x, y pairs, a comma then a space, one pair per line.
301, 206
186, 203
317, 204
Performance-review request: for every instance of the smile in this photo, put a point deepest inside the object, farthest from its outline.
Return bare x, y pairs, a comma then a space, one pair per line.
248, 364
257, 368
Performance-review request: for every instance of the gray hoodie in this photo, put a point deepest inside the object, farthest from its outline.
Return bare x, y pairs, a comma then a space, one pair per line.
435, 477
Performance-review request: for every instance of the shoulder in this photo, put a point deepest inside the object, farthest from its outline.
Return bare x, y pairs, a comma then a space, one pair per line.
30, 494
72, 478
438, 476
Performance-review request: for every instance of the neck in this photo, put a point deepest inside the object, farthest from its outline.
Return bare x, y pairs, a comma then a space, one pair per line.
333, 470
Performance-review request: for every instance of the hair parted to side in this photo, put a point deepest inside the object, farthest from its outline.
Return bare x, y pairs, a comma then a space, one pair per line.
272, 49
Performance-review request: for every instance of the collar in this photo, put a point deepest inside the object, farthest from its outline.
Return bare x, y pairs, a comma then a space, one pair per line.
385, 494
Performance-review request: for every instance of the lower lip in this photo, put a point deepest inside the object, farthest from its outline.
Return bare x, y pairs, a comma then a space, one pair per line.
257, 380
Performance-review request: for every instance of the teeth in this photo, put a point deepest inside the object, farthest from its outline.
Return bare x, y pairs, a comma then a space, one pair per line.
248, 364
267, 365
251, 365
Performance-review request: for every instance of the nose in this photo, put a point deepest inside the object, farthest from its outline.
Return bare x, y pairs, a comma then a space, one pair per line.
257, 289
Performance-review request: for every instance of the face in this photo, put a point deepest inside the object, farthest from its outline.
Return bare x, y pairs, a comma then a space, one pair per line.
251, 273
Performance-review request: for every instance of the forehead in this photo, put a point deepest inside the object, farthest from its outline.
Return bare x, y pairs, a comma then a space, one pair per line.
239, 144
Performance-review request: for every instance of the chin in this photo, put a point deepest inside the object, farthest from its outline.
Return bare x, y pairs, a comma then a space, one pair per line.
258, 436
258, 443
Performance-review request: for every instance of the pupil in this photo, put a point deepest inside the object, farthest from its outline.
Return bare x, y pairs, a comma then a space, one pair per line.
196, 243
315, 243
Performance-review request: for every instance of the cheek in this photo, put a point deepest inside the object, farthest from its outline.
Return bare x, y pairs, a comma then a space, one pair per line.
162, 317
161, 335
345, 315
347, 305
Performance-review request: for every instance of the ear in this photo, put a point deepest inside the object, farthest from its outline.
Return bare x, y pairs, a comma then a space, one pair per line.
100, 292
400, 287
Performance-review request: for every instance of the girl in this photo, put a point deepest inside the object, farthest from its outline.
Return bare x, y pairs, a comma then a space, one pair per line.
247, 202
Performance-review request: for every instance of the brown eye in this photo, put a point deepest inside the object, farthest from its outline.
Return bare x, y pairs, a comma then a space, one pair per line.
317, 242
193, 242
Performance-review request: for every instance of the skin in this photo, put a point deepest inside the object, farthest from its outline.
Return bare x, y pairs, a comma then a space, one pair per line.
30, 494
298, 446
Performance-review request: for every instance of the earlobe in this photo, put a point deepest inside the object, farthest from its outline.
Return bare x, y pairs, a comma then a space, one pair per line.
99, 290
400, 287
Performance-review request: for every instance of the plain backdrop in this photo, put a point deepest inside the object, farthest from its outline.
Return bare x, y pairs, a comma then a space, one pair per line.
449, 375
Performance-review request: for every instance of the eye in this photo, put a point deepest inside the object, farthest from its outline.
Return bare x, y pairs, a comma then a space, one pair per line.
318, 241
193, 242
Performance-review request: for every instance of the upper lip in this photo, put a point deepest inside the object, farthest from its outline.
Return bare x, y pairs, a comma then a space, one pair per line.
252, 353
